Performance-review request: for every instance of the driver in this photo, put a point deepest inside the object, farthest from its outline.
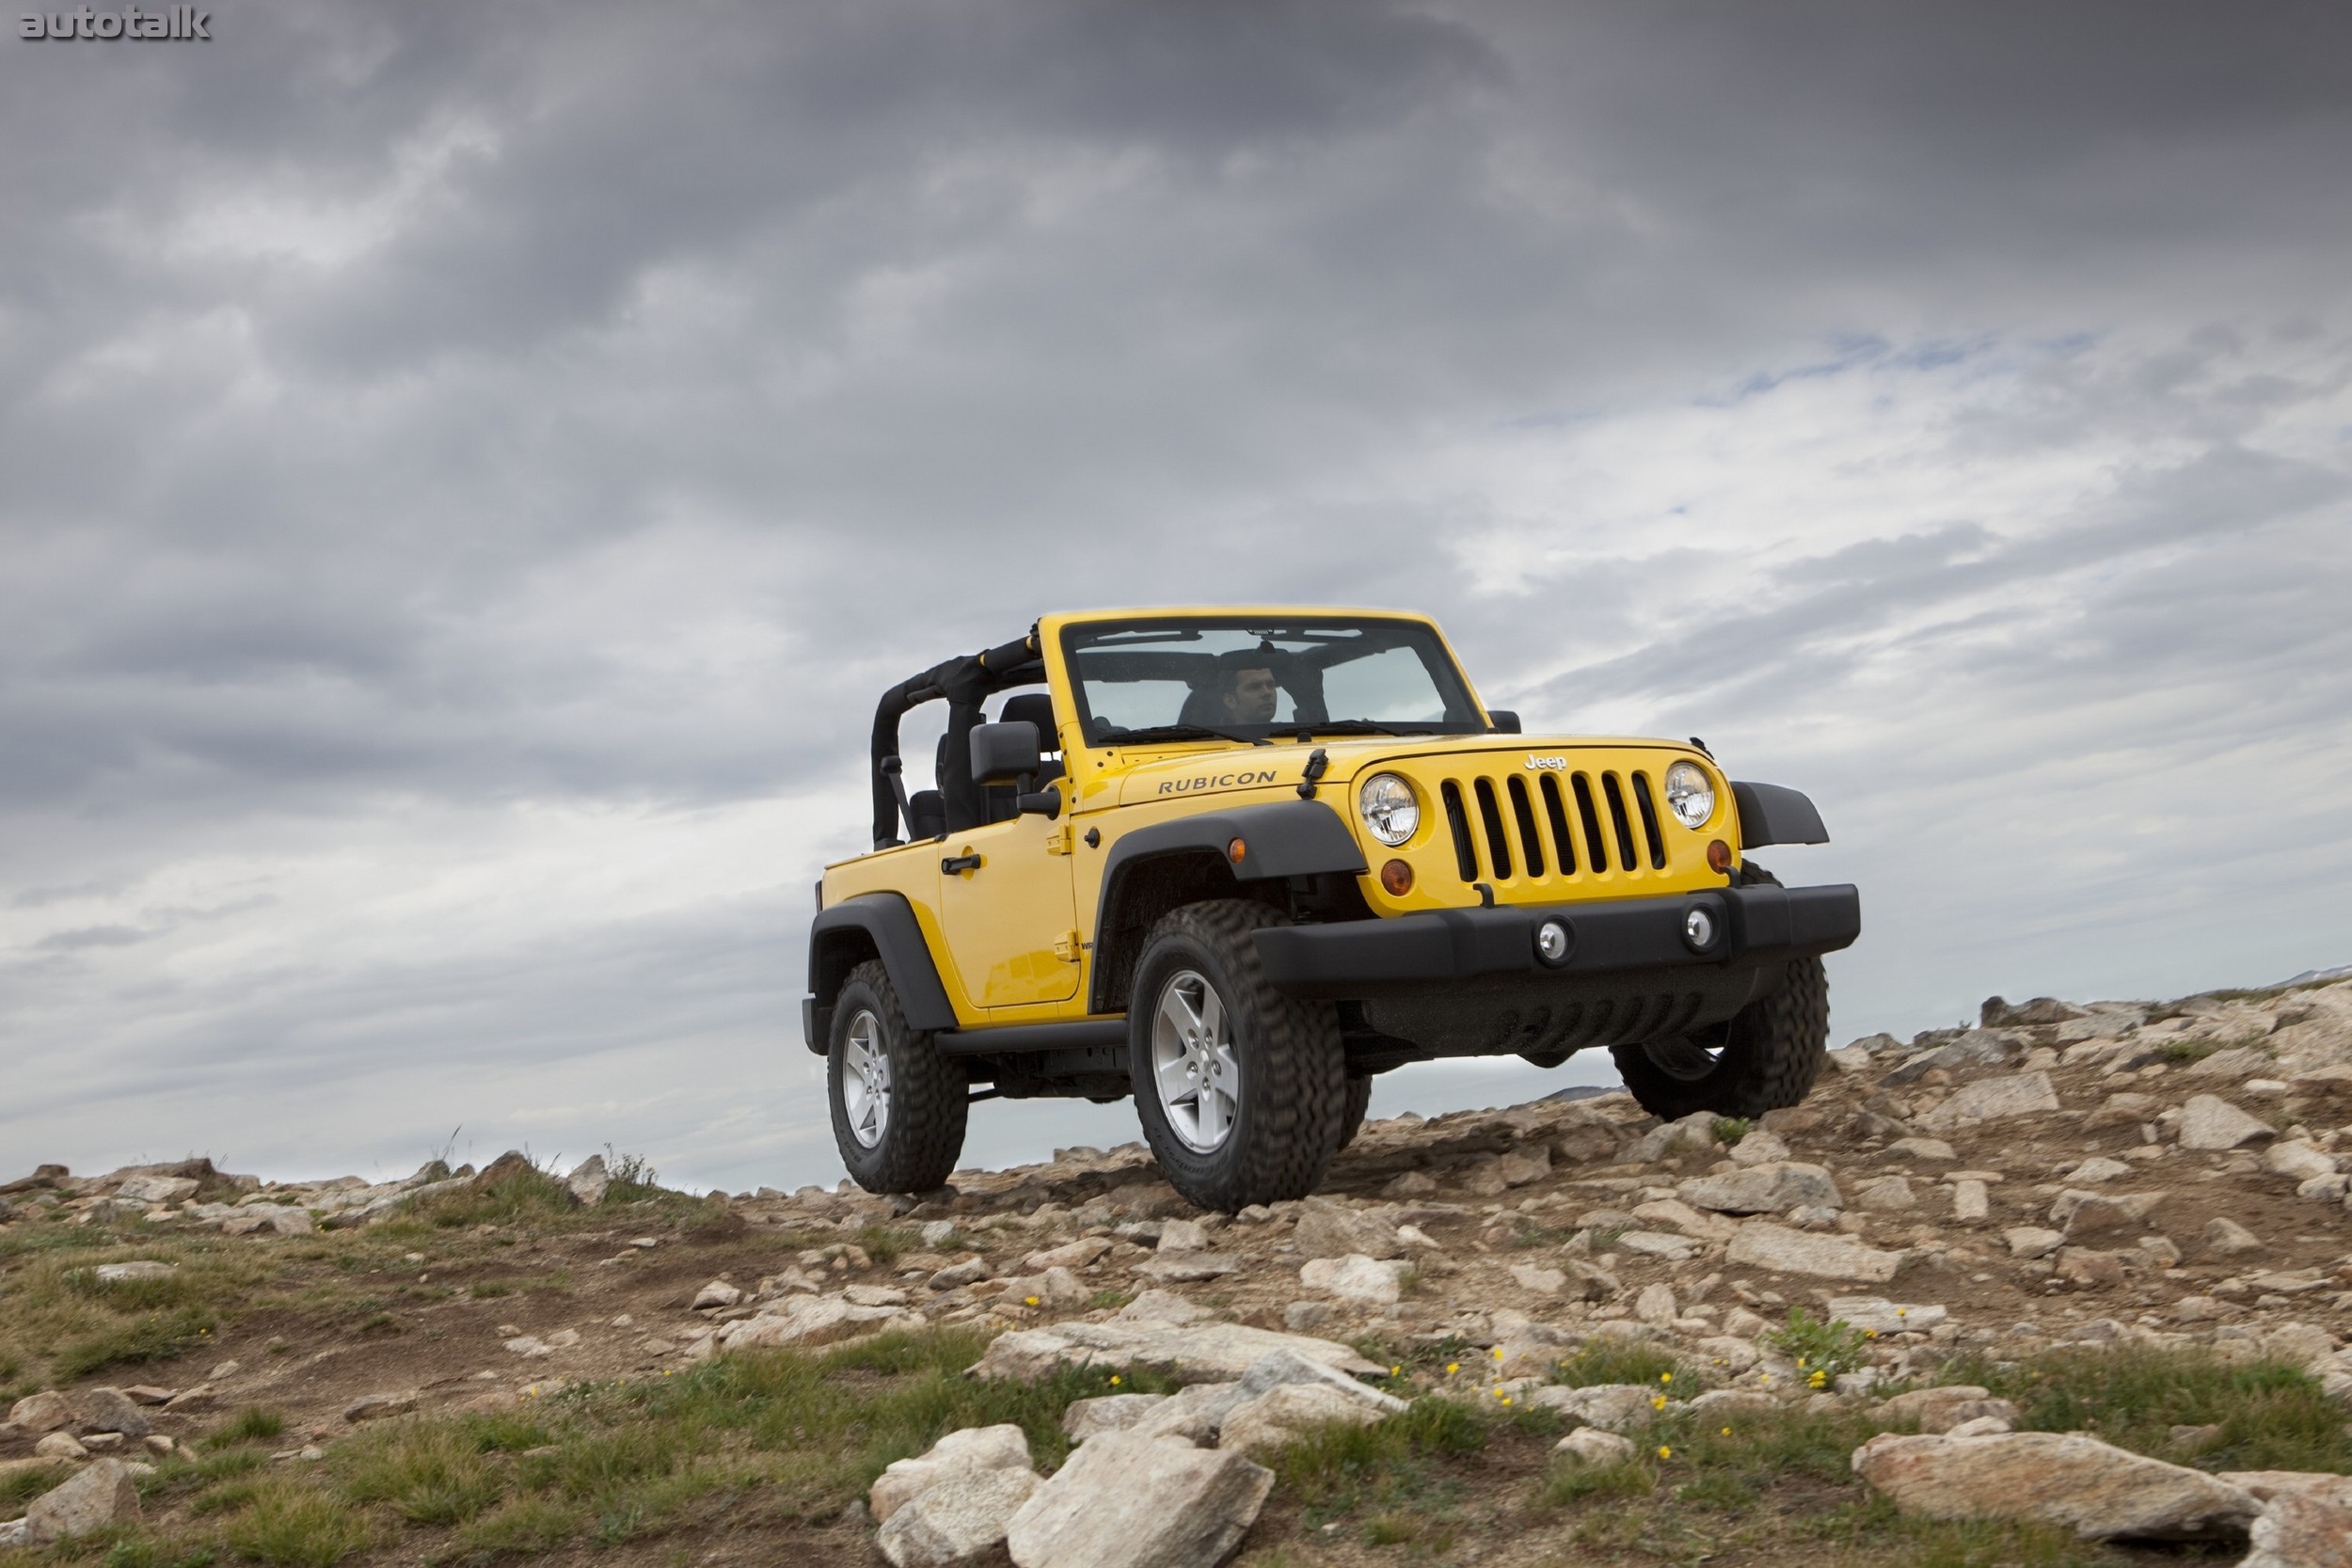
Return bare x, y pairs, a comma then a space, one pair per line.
1250, 693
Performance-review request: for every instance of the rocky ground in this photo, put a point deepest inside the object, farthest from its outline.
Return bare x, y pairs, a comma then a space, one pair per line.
2072, 1285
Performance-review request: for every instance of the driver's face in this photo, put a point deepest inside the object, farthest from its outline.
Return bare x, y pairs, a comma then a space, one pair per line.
1252, 699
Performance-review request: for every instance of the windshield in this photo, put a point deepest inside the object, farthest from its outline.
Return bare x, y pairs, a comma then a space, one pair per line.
1246, 678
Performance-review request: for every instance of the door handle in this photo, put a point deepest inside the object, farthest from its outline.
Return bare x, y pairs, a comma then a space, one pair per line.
954, 864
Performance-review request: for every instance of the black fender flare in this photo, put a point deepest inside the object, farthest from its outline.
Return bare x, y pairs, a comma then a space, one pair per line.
1770, 813
1281, 838
888, 924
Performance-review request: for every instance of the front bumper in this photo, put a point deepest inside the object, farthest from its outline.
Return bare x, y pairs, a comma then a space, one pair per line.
1753, 927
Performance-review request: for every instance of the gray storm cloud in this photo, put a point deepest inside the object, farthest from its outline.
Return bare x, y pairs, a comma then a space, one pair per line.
466, 470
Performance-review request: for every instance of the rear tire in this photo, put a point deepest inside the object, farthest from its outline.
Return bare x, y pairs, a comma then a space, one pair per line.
1240, 1089
1765, 1058
898, 1107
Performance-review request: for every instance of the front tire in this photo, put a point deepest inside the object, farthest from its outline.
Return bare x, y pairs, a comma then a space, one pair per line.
898, 1107
1241, 1089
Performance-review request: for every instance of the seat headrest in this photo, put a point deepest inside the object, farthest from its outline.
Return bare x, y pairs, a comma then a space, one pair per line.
1037, 708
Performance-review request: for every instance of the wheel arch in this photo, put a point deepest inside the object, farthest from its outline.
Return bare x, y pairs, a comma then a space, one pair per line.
1168, 864
874, 927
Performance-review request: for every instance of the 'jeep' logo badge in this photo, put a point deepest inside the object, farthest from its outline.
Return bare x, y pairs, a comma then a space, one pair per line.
1557, 765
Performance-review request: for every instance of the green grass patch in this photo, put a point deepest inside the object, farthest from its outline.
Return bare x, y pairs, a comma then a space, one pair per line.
1822, 1351
1575, 1481
522, 1527
253, 1424
886, 1244
19, 1487
2272, 1416
1344, 1467
1617, 1361
290, 1525
2180, 1053
428, 1472
1730, 1130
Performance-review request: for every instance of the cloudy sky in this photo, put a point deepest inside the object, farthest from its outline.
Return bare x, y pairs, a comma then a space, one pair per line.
466, 469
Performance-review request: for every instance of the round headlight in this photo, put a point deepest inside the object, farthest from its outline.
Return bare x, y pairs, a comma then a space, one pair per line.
1691, 794
1389, 808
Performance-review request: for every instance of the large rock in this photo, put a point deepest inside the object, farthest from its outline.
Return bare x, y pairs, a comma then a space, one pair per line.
141, 1268
1879, 1315
589, 1180
2210, 1122
1610, 1406
959, 1521
1328, 1229
1773, 1187
1762, 1244
1286, 1414
963, 1452
157, 1189
2022, 1094
109, 1410
43, 1412
1124, 1501
1193, 1413
2301, 1530
2298, 1160
1355, 1278
1681, 1216
2099, 1492
101, 1496
1198, 1353
811, 1320
1085, 1419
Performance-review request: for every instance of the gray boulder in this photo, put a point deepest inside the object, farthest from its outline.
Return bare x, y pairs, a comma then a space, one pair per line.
1127, 1501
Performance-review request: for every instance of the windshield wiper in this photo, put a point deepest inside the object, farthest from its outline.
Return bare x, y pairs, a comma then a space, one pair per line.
1359, 726
1185, 732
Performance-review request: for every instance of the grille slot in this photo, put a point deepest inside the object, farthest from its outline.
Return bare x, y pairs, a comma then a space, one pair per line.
1523, 812
1596, 846
1498, 842
1616, 792
1563, 842
1650, 821
1457, 822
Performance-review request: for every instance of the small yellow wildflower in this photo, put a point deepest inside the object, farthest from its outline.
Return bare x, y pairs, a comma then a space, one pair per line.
1114, 1380
1726, 1431
1394, 1371
1503, 1397
1658, 1404
1029, 1301
1665, 1453
1498, 1353
1665, 1377
1453, 1367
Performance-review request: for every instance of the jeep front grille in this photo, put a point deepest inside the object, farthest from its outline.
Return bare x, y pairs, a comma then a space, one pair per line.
1511, 829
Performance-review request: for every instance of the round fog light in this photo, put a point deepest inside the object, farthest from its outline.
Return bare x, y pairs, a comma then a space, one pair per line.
1698, 929
1552, 941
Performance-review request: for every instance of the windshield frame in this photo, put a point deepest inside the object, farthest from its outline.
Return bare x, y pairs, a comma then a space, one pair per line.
1422, 636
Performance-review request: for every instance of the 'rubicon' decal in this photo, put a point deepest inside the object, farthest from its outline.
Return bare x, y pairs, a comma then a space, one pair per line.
1218, 781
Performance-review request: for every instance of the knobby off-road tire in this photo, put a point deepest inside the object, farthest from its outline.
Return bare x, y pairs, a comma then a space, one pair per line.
1352, 1114
1285, 1110
1764, 1058
918, 1139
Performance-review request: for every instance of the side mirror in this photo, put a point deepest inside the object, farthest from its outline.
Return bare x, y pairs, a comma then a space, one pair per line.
1504, 720
1005, 754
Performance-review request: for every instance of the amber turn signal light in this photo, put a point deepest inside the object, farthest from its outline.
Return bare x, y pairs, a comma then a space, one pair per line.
1235, 850
1719, 857
1397, 878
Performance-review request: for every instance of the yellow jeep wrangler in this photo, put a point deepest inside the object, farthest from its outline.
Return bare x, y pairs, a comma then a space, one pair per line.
1238, 862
